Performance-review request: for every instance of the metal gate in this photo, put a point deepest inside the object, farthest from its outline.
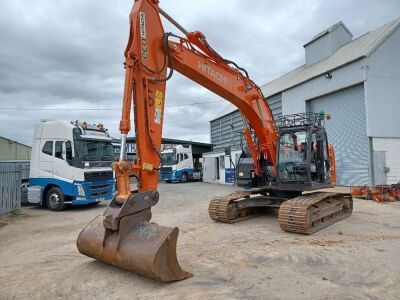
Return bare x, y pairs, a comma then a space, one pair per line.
347, 131
10, 187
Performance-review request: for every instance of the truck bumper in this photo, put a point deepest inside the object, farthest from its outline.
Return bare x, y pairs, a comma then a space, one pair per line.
84, 201
170, 176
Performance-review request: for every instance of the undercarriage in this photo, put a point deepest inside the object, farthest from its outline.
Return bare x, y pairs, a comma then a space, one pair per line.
304, 214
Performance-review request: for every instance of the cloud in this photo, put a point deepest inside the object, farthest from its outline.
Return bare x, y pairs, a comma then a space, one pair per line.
69, 54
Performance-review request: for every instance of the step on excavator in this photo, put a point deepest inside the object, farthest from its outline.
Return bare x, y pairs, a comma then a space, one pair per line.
283, 161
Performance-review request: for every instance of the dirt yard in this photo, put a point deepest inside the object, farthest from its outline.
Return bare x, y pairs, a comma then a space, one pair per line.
358, 258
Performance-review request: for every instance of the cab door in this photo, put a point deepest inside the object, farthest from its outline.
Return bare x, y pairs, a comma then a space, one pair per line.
61, 169
45, 168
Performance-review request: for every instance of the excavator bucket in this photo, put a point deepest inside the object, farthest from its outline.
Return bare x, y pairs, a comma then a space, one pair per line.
137, 246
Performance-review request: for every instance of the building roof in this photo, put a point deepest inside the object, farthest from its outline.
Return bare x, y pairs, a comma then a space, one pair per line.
168, 141
10, 141
197, 147
362, 46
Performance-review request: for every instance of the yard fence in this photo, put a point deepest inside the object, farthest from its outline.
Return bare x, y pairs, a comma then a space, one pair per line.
12, 174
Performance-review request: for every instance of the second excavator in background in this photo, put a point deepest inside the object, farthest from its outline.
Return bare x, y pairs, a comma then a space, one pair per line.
281, 160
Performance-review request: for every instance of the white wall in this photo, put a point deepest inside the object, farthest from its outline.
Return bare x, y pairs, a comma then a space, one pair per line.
391, 147
221, 170
383, 89
293, 100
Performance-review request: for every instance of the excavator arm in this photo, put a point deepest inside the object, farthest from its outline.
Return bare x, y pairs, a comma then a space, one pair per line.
148, 54
123, 236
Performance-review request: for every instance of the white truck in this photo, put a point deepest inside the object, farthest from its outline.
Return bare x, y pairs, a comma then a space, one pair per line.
180, 164
70, 164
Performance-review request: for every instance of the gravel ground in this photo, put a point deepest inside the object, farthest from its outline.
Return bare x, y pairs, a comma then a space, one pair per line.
357, 258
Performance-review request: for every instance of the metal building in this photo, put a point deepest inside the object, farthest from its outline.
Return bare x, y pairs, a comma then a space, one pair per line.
358, 82
12, 150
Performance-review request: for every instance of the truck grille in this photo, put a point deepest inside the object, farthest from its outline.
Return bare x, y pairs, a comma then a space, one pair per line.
166, 169
99, 186
98, 176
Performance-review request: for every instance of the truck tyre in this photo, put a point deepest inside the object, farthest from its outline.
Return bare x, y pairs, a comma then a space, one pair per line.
55, 199
184, 177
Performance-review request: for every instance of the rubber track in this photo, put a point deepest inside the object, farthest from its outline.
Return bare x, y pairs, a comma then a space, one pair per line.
294, 215
218, 208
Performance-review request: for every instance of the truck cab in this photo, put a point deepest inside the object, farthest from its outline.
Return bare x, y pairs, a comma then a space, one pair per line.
179, 164
70, 164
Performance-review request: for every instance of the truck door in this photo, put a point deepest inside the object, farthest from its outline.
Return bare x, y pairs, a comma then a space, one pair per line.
46, 159
61, 169
187, 162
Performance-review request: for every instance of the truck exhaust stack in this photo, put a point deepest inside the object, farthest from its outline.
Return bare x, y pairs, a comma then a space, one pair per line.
123, 237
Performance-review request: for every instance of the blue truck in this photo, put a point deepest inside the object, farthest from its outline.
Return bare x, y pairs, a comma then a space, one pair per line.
179, 164
70, 164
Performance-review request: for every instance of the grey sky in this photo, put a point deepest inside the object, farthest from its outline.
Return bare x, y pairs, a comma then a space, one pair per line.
69, 54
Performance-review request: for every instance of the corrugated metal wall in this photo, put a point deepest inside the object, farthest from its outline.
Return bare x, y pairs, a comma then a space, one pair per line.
226, 131
293, 100
11, 176
275, 103
347, 132
383, 89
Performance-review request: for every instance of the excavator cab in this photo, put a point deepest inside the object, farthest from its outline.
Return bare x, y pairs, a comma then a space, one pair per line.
303, 157
303, 153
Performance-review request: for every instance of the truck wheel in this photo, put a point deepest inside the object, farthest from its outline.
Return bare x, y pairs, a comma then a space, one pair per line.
184, 177
55, 199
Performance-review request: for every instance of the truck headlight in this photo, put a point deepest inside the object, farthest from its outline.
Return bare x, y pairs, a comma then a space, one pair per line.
80, 189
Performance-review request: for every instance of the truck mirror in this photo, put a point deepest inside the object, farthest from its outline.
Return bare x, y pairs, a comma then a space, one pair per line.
68, 150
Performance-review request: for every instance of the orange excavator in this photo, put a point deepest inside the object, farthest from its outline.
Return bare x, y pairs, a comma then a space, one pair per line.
282, 162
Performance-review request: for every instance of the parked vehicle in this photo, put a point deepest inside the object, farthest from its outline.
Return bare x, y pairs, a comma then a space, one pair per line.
179, 164
70, 164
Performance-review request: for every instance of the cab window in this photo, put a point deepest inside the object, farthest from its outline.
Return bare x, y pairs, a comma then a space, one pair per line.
185, 156
58, 149
48, 148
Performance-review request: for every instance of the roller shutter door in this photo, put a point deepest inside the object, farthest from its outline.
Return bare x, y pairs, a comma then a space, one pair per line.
347, 131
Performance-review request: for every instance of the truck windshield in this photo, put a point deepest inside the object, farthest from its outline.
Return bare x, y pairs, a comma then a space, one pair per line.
94, 150
168, 159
